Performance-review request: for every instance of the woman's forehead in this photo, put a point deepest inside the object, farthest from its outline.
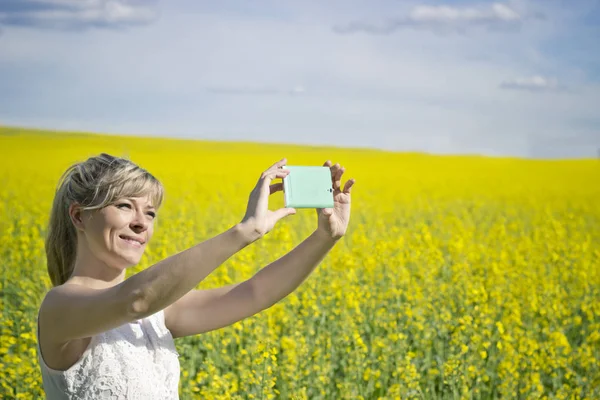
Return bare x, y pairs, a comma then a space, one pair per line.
143, 200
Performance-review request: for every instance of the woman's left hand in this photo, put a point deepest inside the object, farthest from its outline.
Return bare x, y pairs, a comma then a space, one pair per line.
333, 222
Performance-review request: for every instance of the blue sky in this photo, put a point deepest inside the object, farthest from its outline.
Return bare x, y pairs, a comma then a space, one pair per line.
518, 78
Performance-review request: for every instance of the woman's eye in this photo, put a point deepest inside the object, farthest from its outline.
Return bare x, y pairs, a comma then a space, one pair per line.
124, 205
153, 215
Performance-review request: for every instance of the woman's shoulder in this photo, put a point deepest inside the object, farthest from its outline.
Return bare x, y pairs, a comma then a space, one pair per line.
58, 356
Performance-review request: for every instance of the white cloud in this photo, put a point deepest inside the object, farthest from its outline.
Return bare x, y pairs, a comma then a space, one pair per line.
444, 18
446, 14
533, 83
65, 14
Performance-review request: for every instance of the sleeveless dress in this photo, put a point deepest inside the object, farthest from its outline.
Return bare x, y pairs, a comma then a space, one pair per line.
137, 360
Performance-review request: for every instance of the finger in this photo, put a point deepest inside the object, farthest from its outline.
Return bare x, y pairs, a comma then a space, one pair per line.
263, 187
276, 187
278, 164
333, 170
268, 176
331, 166
337, 180
283, 212
348, 185
328, 212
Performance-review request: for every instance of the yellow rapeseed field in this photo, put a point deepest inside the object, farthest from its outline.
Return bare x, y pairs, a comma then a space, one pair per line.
459, 278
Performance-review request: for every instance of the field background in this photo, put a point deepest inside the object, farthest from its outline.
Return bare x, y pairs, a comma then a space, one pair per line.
460, 277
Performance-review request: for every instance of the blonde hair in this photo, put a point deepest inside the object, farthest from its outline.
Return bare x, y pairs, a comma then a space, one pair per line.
95, 183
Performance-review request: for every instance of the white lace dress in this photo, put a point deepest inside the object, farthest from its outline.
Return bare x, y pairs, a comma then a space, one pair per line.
137, 360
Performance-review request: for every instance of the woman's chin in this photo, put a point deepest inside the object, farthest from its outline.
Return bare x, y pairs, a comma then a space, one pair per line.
131, 263
125, 263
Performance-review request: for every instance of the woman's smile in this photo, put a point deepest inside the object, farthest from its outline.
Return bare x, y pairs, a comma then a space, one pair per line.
132, 241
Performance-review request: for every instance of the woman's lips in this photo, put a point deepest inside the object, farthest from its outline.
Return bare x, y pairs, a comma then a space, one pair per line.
130, 241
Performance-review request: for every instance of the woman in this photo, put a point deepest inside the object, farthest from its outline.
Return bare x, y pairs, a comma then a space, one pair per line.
103, 336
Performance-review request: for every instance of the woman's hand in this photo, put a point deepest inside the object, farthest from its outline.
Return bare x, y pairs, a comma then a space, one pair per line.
259, 220
333, 222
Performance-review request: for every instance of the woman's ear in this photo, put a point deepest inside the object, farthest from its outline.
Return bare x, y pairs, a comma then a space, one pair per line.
76, 214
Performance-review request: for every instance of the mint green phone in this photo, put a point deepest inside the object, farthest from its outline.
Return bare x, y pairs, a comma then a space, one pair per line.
308, 187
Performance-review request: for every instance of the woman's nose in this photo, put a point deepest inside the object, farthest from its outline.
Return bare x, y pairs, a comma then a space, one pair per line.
139, 221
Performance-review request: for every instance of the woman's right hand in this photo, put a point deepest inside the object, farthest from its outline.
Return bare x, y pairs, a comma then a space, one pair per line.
259, 220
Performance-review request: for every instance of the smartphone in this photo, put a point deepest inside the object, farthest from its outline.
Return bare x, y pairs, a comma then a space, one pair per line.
308, 187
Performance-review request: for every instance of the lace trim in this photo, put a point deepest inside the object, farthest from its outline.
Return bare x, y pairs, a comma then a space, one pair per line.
137, 360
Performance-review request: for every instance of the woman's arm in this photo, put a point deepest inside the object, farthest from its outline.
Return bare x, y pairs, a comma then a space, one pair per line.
280, 278
201, 311
169, 280
73, 311
205, 310
283, 276
166, 281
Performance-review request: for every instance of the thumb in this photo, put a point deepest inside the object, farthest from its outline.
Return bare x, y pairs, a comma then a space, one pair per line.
328, 212
283, 212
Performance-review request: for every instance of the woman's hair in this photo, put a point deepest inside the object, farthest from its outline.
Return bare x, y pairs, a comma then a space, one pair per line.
93, 184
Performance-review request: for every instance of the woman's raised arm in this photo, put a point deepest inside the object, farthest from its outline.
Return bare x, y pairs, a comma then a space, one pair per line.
72, 311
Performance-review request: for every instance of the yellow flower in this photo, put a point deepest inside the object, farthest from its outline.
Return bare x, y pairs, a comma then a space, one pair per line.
492, 255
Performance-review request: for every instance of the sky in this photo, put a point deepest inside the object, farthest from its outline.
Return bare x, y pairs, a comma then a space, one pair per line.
510, 78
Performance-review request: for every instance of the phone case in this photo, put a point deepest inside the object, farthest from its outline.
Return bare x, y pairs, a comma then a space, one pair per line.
308, 187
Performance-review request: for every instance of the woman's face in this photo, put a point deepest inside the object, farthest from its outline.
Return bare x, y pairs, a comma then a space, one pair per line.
118, 234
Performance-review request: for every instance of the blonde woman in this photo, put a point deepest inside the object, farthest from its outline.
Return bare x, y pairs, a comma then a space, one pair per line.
103, 336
